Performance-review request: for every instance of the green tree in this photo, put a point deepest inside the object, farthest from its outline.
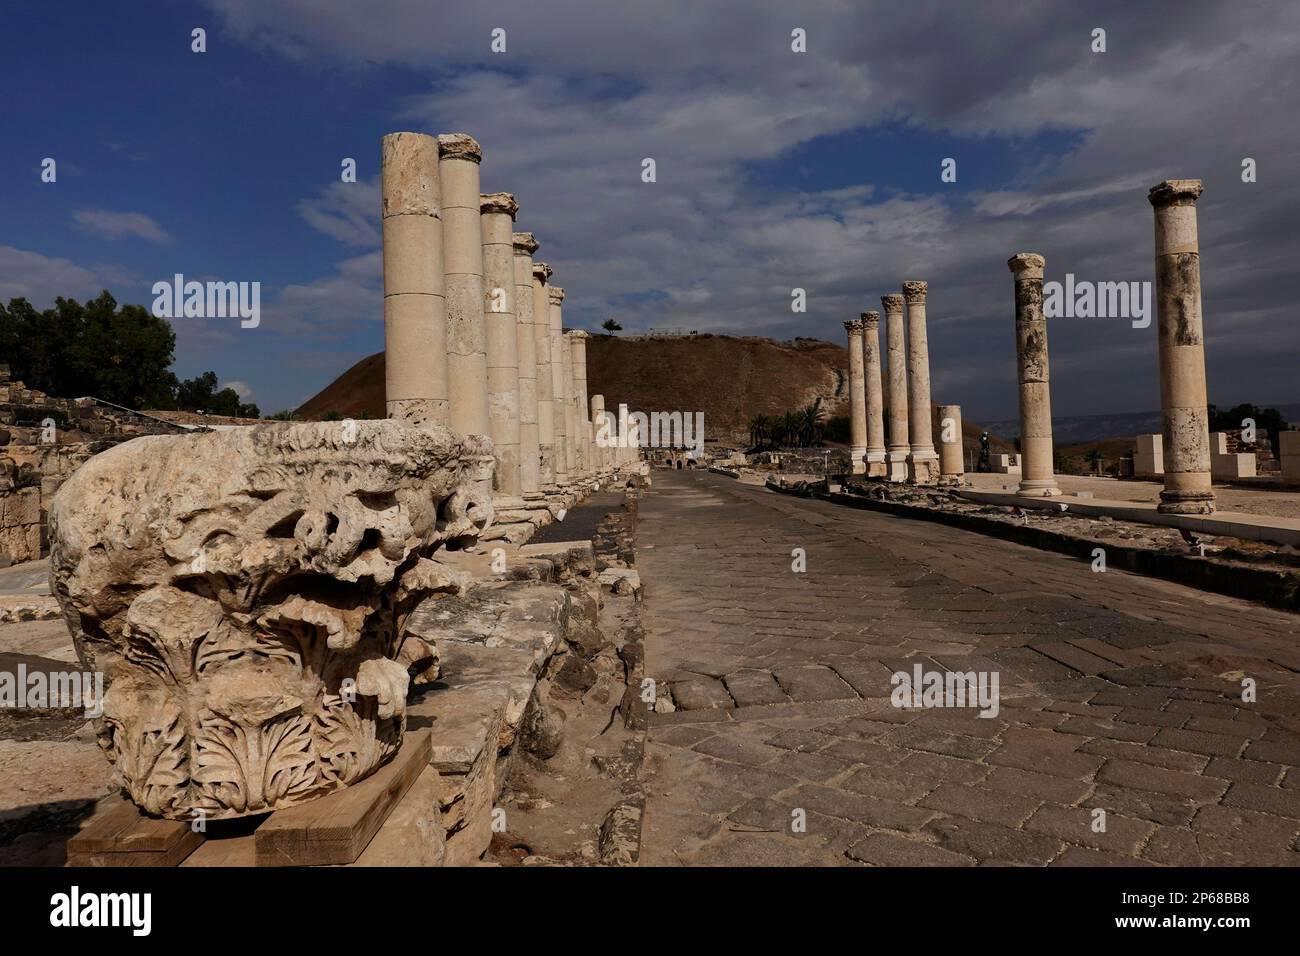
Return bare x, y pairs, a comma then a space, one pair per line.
200, 394
1268, 420
610, 326
121, 355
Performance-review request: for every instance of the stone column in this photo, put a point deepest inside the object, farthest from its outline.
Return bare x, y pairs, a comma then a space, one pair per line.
1186, 425
559, 386
462, 262
415, 331
530, 471
899, 449
952, 464
545, 380
923, 461
857, 398
1035, 387
497, 214
582, 438
875, 400
571, 458
599, 451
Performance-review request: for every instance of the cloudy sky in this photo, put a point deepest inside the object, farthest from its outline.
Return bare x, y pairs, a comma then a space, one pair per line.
776, 169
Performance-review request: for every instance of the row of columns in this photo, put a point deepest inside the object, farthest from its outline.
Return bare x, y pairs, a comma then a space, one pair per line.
1181, 344
910, 454
474, 329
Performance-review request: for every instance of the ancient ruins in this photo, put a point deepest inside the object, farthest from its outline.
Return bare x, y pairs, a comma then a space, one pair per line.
272, 606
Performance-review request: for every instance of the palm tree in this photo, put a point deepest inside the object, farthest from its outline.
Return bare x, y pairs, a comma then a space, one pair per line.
810, 423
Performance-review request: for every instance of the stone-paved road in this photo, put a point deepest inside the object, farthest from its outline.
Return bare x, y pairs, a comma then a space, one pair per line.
1118, 692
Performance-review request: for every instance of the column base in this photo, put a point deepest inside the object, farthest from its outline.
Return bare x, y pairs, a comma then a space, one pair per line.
875, 462
1039, 488
1186, 503
923, 467
896, 466
857, 459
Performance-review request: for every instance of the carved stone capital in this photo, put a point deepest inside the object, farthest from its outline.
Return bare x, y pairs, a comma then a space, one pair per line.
245, 594
871, 320
542, 271
1175, 192
525, 243
556, 294
1027, 265
892, 303
914, 290
853, 326
498, 202
578, 334
459, 146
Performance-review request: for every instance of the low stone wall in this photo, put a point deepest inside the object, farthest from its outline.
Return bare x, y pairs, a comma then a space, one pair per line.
43, 440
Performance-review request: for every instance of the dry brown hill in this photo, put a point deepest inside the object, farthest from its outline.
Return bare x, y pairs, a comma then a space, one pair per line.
357, 393
729, 379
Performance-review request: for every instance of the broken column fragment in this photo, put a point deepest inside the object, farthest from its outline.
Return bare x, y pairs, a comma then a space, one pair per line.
952, 463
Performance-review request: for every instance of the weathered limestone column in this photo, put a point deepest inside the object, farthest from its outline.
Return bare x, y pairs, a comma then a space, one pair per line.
497, 214
923, 462
415, 330
952, 464
1186, 425
582, 437
857, 398
545, 379
462, 266
600, 452
875, 400
1035, 387
571, 461
898, 449
530, 469
559, 384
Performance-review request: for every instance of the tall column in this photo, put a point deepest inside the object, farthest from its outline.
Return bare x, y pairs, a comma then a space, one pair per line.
598, 425
952, 464
530, 468
875, 399
857, 399
415, 331
1035, 387
570, 410
898, 449
1186, 425
923, 462
559, 388
545, 380
497, 215
462, 266
582, 440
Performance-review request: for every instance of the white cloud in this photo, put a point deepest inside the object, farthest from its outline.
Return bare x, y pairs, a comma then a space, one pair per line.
119, 225
39, 278
710, 90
